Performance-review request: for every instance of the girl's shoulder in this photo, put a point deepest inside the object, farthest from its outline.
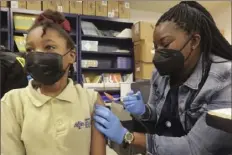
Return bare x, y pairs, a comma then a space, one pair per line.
12, 103
15, 95
88, 96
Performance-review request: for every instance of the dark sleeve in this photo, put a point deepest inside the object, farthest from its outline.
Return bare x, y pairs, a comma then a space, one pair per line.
3, 78
150, 114
16, 77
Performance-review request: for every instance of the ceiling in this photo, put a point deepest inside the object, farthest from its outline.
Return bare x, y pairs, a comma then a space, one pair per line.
162, 6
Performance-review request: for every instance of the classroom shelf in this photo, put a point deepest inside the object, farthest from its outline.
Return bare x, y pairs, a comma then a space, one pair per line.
92, 53
7, 32
100, 87
99, 18
20, 32
104, 37
109, 70
4, 30
73, 19
5, 27
106, 24
25, 32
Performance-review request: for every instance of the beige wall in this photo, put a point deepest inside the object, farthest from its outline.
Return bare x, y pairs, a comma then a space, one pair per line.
223, 20
221, 15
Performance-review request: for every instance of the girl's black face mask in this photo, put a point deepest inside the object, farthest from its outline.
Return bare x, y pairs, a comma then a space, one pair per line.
45, 68
170, 61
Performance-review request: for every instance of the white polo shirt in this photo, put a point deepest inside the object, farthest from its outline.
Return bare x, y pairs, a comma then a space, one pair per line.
35, 124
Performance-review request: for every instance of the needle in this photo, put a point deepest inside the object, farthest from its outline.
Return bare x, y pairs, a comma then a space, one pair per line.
111, 98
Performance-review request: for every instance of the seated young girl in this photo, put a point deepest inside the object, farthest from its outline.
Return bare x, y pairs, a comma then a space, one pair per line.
52, 115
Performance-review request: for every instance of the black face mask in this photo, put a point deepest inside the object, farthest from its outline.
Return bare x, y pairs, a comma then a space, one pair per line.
45, 68
169, 61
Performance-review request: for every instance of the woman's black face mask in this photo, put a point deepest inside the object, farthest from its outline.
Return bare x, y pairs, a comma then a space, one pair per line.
45, 68
170, 61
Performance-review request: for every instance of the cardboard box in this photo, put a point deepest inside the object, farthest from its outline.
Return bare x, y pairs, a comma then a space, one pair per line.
76, 7
144, 51
4, 4
142, 31
101, 8
89, 8
49, 5
124, 9
18, 4
143, 70
34, 5
113, 8
62, 6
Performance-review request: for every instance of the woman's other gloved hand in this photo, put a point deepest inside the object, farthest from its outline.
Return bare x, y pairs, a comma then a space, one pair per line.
134, 104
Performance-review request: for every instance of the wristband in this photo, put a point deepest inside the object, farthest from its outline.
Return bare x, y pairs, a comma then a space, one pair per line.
147, 115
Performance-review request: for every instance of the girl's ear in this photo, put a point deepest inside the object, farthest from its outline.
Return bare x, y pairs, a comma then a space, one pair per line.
72, 56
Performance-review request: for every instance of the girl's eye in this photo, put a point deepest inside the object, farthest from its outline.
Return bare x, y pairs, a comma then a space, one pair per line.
29, 50
48, 47
155, 47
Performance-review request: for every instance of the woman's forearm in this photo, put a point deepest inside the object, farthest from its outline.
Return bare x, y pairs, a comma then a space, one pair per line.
139, 140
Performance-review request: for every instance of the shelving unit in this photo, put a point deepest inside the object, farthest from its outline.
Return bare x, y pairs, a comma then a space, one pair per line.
105, 24
8, 31
5, 27
107, 53
104, 38
71, 17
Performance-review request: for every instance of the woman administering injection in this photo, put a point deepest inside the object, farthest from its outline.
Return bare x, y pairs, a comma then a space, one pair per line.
193, 62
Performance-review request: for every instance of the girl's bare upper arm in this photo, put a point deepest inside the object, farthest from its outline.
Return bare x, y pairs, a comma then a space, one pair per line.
98, 141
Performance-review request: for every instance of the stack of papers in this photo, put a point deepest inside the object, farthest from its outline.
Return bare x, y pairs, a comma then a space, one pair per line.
222, 113
220, 119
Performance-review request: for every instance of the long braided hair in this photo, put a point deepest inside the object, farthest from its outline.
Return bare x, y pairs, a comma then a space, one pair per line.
194, 18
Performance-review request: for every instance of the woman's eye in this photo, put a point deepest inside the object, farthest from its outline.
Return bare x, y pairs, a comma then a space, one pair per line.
166, 45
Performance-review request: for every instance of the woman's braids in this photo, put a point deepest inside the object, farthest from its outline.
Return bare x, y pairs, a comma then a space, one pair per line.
194, 18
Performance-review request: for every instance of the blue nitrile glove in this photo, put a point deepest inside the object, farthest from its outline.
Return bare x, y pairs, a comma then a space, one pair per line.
109, 124
134, 104
29, 77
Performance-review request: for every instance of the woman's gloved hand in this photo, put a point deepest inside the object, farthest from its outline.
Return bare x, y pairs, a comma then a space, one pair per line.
108, 124
134, 104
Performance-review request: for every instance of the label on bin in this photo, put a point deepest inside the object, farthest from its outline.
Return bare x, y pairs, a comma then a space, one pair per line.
111, 14
127, 5
60, 8
14, 4
104, 3
152, 51
136, 28
137, 69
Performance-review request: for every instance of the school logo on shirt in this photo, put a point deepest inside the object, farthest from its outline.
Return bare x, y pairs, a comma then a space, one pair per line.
83, 124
